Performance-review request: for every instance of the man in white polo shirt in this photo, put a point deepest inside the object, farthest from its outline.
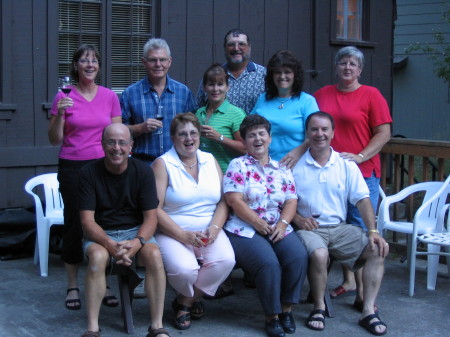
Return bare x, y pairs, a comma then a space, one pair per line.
325, 182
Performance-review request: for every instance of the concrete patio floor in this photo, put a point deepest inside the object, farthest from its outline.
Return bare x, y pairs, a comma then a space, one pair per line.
34, 306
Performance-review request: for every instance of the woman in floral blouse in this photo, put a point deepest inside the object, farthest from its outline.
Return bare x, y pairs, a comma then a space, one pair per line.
262, 196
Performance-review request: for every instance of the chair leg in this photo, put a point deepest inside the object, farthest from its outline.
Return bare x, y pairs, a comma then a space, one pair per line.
43, 234
432, 266
412, 248
448, 260
328, 304
125, 301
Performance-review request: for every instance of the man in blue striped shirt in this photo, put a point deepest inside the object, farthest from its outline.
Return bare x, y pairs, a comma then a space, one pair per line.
148, 106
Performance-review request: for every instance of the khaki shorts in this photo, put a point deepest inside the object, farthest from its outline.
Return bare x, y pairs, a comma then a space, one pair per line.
344, 242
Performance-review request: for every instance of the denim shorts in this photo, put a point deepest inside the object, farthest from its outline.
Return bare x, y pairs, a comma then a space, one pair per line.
119, 235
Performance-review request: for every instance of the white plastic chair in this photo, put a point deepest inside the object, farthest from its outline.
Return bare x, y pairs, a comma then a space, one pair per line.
425, 222
53, 215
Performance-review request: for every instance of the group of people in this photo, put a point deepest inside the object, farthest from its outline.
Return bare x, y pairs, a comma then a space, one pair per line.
190, 188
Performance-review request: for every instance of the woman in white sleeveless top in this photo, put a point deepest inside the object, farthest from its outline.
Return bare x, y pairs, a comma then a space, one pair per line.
196, 252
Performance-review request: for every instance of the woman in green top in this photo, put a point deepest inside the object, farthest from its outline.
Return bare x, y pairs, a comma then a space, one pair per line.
219, 119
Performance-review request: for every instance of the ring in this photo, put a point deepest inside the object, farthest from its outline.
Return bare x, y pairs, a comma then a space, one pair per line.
386, 244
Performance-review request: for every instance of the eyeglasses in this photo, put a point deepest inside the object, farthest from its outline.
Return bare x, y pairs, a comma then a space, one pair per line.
184, 135
155, 60
239, 44
86, 61
350, 64
112, 143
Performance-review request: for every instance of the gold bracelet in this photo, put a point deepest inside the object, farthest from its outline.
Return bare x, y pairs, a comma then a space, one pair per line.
373, 231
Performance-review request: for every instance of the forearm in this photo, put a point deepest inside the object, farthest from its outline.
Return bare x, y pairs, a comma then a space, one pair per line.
220, 215
136, 130
379, 139
56, 129
245, 213
367, 213
168, 226
289, 210
234, 145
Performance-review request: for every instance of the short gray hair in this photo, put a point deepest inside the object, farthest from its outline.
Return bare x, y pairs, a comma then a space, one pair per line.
350, 51
153, 44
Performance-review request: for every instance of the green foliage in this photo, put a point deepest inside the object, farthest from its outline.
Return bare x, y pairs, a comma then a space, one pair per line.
439, 52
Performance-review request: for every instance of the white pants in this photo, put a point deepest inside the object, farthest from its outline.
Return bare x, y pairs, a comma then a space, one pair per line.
183, 270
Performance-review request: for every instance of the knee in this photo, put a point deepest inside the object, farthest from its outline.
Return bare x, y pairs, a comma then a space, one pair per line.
151, 257
320, 257
98, 258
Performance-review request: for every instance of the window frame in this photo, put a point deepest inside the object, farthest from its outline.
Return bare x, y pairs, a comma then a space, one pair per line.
106, 36
365, 27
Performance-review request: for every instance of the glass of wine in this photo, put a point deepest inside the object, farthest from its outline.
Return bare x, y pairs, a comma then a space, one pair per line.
205, 241
65, 84
159, 116
315, 208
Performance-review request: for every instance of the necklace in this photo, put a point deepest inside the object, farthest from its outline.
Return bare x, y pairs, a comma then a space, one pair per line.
190, 167
281, 106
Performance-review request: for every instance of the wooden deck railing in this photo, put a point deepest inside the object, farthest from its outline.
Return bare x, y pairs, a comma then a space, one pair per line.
408, 161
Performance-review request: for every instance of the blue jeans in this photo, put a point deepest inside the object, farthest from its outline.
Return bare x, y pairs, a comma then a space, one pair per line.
279, 269
353, 216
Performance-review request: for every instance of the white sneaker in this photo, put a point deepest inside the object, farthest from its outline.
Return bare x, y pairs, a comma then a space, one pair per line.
139, 291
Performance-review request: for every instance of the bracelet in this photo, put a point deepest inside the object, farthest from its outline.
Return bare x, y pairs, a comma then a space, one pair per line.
284, 221
373, 231
214, 226
361, 155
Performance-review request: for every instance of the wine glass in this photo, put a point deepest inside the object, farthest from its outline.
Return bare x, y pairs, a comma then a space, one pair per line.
159, 116
65, 84
205, 241
315, 208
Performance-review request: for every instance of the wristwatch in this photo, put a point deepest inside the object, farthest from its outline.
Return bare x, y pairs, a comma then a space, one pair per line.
141, 240
220, 140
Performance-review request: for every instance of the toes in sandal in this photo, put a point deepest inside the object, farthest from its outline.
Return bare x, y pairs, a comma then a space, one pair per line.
181, 321
111, 300
197, 310
316, 319
91, 334
157, 332
76, 301
371, 327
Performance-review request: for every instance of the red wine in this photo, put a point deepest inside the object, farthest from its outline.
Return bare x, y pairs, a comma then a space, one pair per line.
66, 90
160, 118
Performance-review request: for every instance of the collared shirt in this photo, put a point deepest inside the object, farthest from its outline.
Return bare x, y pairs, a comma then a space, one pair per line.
244, 90
264, 188
140, 101
330, 187
226, 120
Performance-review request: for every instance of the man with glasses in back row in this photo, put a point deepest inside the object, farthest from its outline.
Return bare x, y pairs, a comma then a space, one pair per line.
246, 78
150, 104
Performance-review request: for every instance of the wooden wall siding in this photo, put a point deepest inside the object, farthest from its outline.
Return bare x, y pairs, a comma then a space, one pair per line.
194, 30
197, 29
418, 91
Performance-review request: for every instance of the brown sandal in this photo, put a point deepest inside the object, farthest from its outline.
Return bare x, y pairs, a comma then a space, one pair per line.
156, 332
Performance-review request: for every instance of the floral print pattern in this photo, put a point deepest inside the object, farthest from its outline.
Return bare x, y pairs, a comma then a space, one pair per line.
265, 189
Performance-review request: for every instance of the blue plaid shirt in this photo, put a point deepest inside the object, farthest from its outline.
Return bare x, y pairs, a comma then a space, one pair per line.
140, 101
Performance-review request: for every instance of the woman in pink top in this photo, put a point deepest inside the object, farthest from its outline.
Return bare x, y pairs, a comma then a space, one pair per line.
363, 126
77, 122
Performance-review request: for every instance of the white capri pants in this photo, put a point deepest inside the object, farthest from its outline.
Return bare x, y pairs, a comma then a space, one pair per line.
183, 270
